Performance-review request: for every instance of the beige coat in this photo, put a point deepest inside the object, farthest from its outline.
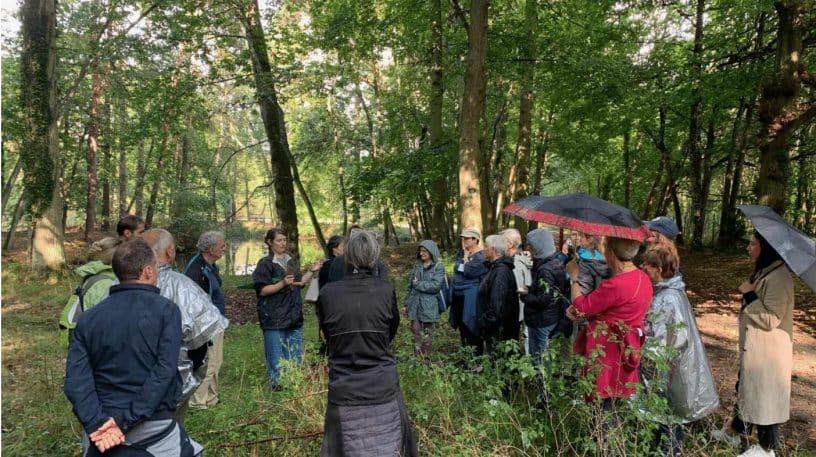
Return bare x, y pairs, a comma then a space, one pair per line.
766, 349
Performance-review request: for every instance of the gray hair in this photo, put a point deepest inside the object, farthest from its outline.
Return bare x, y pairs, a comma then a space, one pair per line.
363, 249
625, 250
159, 240
209, 240
512, 235
497, 242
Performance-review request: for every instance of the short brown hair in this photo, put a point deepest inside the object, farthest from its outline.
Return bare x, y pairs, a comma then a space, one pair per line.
663, 258
129, 222
130, 258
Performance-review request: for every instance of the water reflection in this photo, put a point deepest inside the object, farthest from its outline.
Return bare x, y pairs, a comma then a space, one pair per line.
242, 256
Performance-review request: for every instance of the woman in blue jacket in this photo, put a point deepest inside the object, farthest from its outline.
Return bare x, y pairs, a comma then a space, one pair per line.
468, 271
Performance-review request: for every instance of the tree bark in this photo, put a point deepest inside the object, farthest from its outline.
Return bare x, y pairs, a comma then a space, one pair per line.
93, 148
722, 237
274, 124
627, 166
19, 209
439, 189
471, 118
519, 173
780, 114
9, 184
694, 143
106, 188
39, 151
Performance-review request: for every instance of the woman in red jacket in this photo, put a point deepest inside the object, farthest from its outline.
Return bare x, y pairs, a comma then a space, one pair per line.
615, 311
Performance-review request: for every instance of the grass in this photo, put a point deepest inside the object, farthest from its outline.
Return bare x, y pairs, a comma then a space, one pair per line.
456, 411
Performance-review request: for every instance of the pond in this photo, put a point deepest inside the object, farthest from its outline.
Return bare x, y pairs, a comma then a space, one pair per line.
241, 256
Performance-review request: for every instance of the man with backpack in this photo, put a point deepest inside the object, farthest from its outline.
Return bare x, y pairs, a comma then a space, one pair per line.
121, 376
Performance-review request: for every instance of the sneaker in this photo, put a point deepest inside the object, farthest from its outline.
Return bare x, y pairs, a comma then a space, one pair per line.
757, 451
723, 436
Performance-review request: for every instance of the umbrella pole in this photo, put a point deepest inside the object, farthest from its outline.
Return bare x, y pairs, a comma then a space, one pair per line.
560, 238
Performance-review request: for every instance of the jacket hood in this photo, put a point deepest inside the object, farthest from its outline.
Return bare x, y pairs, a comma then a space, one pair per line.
431, 247
542, 242
93, 267
675, 282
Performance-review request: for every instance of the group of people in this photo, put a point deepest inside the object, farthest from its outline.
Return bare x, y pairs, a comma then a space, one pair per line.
145, 345
610, 296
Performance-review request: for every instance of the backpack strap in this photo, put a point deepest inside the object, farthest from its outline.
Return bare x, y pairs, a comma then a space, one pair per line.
86, 284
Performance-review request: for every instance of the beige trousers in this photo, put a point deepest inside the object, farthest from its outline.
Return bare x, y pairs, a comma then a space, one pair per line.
207, 393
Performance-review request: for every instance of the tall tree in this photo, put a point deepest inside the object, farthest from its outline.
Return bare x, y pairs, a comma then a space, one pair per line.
780, 111
439, 194
273, 120
694, 142
519, 173
40, 153
471, 118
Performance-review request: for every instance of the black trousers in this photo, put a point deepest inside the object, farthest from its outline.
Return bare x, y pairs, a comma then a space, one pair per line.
768, 434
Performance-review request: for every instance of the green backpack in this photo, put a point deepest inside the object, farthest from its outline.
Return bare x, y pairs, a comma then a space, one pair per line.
92, 289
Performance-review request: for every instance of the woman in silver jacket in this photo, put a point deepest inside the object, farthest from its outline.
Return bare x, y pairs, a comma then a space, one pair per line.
675, 340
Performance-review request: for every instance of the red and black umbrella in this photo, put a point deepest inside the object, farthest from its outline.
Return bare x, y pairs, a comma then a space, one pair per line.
583, 213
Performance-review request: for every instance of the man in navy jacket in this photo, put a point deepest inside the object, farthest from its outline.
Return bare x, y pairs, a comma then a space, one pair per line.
122, 369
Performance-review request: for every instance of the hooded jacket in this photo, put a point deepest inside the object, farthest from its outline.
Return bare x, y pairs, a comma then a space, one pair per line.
497, 301
672, 334
421, 298
592, 270
200, 322
547, 296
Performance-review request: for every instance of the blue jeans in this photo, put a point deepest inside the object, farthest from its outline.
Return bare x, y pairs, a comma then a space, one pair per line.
539, 339
286, 344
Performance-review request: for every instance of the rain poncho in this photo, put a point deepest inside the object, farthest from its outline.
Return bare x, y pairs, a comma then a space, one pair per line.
672, 329
421, 298
200, 321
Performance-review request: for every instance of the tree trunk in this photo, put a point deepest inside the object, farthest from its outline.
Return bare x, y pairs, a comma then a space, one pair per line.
106, 188
779, 112
8, 186
627, 166
19, 209
519, 173
541, 152
274, 124
308, 202
694, 143
93, 145
722, 237
472, 112
141, 171
39, 151
439, 189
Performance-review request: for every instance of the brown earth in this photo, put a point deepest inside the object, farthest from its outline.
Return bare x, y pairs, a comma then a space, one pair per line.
711, 279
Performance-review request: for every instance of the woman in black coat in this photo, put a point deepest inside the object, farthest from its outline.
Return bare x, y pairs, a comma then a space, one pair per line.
366, 414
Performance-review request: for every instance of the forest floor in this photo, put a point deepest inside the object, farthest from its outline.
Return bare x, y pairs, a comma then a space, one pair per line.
711, 278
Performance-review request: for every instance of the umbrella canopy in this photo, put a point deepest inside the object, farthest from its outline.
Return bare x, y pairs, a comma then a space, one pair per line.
583, 213
796, 249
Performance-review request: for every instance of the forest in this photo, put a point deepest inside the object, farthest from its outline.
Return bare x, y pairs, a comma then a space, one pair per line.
415, 119
427, 116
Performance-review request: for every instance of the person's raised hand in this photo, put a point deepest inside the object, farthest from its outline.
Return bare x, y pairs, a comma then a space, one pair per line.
572, 268
746, 287
289, 279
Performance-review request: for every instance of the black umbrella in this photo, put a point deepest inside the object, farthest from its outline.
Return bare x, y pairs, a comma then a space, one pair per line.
796, 249
583, 213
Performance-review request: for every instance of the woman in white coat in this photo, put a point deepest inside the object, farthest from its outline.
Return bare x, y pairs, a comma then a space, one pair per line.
765, 349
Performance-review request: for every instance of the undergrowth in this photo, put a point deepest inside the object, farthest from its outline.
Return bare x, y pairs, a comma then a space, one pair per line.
460, 405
